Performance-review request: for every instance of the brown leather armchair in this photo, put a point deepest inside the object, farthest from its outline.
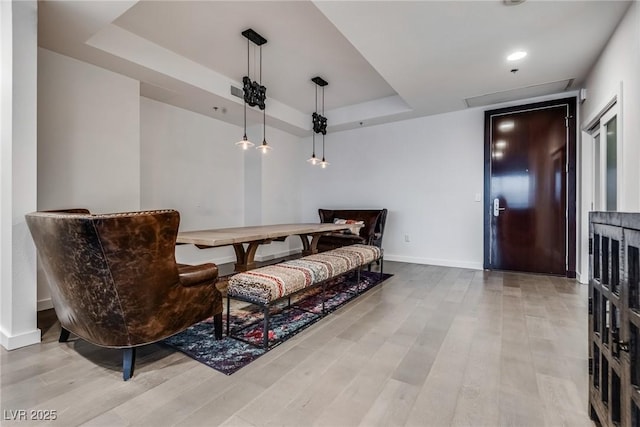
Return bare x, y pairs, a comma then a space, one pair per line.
114, 279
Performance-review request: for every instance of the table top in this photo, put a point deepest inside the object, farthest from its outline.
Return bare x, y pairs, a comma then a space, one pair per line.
230, 236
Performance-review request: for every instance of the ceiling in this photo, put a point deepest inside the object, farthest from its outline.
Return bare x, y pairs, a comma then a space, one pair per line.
384, 60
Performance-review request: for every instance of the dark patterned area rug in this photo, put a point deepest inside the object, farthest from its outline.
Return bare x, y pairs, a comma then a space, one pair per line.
229, 354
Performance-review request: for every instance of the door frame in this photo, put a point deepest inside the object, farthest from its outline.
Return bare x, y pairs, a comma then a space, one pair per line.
603, 119
614, 101
572, 129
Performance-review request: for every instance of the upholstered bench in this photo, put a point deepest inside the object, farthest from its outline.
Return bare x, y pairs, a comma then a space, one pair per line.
267, 285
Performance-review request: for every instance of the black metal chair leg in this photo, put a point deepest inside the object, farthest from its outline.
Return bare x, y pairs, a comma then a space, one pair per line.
128, 362
381, 267
228, 314
323, 298
358, 281
64, 335
217, 326
265, 332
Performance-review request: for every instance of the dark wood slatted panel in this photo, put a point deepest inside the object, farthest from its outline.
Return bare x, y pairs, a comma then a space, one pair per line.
614, 318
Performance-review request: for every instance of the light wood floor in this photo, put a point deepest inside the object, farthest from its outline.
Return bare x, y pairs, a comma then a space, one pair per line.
433, 346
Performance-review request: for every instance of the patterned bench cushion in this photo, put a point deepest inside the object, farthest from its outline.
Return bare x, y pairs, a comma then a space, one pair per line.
362, 254
269, 283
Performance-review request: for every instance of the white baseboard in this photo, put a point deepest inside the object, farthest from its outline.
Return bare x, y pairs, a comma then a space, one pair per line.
11, 342
584, 279
435, 261
45, 304
273, 256
223, 260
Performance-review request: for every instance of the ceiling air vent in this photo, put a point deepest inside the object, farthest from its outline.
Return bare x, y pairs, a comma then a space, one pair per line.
236, 91
512, 2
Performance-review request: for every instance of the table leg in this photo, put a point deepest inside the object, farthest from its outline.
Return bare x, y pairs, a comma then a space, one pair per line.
245, 259
310, 248
306, 249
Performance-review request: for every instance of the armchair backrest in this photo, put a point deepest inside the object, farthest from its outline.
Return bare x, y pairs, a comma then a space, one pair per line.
108, 274
374, 220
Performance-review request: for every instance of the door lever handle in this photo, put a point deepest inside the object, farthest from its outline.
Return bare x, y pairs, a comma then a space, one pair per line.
496, 207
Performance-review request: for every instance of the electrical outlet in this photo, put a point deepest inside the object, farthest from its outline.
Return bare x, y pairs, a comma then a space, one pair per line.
406, 238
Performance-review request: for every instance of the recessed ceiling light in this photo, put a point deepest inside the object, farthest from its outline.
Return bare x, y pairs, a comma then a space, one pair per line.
517, 55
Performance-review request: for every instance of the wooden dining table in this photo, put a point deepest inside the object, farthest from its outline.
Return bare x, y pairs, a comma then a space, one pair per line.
254, 236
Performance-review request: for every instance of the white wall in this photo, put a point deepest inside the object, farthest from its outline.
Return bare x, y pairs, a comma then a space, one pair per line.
615, 74
425, 171
617, 71
88, 136
190, 163
18, 51
281, 190
88, 140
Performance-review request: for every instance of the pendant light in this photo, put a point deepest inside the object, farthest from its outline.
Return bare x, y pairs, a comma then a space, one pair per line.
323, 163
264, 147
244, 142
254, 93
313, 159
319, 124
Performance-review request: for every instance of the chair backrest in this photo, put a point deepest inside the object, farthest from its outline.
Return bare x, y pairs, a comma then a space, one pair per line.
382, 220
108, 274
374, 219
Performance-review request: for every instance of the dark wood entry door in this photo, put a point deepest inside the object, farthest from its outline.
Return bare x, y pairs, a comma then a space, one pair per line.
529, 183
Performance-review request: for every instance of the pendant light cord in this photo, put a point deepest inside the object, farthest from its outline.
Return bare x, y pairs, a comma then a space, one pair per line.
264, 110
313, 130
323, 158
245, 98
323, 147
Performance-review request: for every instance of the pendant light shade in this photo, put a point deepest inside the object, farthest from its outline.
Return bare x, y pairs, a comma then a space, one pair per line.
319, 125
244, 143
264, 147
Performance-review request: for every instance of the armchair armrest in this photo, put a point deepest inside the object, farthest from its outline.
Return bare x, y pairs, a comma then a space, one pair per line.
191, 275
